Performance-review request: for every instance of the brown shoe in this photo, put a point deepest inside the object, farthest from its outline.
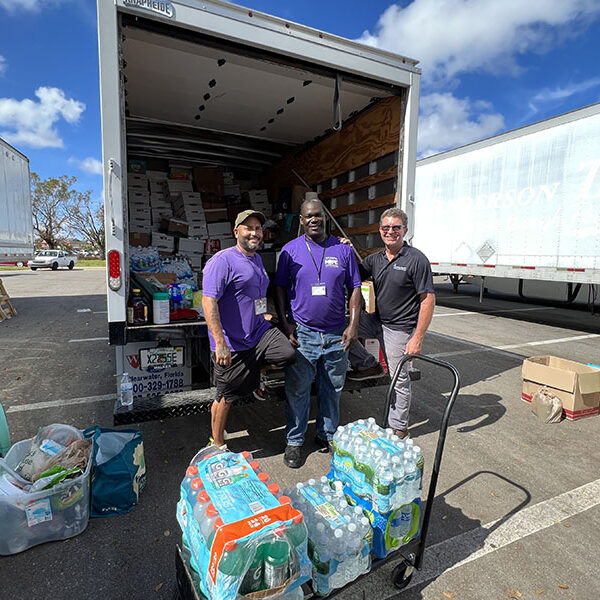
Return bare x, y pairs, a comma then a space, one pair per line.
371, 373
403, 434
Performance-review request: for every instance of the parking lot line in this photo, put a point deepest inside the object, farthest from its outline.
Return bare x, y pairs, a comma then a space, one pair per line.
462, 313
493, 536
58, 403
98, 339
503, 349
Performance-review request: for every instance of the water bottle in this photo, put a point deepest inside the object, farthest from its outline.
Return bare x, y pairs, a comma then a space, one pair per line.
199, 508
207, 524
401, 523
274, 489
253, 579
126, 391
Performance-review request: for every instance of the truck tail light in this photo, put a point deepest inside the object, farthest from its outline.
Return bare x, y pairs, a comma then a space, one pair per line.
114, 270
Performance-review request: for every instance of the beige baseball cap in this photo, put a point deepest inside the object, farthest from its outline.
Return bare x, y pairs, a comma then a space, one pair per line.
249, 213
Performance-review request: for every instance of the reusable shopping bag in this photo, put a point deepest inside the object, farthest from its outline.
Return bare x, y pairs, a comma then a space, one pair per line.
119, 470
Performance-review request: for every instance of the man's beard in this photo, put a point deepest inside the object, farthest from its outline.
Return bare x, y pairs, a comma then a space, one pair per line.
246, 245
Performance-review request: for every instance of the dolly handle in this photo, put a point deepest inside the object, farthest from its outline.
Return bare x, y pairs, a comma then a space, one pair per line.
441, 438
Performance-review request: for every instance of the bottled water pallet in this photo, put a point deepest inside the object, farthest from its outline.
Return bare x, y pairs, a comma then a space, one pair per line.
408, 557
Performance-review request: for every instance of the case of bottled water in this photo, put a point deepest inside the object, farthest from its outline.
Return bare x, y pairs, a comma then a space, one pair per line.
383, 475
241, 535
339, 535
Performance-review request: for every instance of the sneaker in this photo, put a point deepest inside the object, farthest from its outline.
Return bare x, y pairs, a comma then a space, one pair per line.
371, 373
263, 393
403, 434
292, 456
211, 442
325, 446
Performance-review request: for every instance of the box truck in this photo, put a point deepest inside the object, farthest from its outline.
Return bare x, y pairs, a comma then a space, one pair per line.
16, 217
521, 210
209, 108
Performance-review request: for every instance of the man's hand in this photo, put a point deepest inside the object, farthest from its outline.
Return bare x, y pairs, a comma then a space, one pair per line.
413, 346
222, 354
349, 336
345, 240
290, 332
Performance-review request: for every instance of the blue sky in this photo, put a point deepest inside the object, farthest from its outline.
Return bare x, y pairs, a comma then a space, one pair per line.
488, 67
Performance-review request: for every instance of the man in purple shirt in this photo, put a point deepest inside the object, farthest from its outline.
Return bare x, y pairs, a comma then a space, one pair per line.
234, 301
313, 274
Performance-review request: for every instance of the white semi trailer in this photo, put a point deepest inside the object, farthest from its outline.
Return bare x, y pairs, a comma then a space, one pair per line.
274, 103
520, 210
16, 217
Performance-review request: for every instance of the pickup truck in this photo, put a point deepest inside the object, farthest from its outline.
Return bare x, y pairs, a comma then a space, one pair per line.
52, 259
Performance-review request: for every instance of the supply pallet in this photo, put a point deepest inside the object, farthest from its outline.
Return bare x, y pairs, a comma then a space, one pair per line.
410, 556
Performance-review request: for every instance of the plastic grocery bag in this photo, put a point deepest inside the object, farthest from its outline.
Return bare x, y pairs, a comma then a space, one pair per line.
546, 406
119, 470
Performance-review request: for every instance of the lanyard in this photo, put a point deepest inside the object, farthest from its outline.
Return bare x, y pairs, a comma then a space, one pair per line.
320, 267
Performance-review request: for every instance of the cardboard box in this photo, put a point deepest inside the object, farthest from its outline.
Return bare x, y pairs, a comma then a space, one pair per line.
163, 242
368, 293
160, 278
209, 180
192, 214
219, 229
214, 215
185, 246
137, 180
138, 195
137, 212
175, 186
228, 242
139, 239
174, 227
577, 385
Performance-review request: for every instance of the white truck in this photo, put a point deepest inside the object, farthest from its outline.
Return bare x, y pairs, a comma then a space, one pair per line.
520, 211
212, 84
16, 217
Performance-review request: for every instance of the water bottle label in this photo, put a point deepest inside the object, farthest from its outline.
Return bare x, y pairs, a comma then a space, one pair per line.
38, 512
344, 465
324, 508
51, 447
363, 432
388, 446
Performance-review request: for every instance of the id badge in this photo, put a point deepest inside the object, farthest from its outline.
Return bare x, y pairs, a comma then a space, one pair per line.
260, 306
319, 289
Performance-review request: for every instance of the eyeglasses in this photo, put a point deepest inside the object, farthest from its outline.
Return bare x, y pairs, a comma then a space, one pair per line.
394, 228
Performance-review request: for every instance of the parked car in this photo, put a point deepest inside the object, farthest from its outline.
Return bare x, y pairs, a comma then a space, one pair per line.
52, 259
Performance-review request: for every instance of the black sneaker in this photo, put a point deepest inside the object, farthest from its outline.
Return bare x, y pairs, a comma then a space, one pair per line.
371, 373
263, 394
292, 456
325, 447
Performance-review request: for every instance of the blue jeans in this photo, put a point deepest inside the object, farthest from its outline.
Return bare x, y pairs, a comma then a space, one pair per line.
320, 357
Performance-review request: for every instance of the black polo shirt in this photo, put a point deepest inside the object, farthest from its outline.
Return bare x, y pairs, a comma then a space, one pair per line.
398, 285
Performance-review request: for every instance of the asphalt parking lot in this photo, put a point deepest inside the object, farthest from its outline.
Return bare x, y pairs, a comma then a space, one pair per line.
516, 513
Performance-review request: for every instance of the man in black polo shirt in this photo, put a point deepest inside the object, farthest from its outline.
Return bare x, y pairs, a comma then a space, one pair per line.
404, 298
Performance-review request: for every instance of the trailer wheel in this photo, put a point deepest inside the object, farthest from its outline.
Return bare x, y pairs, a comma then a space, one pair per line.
71, 265
54, 266
402, 573
20, 264
34, 268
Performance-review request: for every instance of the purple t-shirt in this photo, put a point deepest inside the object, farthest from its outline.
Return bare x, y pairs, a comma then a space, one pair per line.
298, 272
236, 280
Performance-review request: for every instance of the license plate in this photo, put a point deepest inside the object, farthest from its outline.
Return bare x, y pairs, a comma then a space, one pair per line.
161, 358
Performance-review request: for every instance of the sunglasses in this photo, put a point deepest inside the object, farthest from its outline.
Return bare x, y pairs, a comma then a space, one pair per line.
394, 228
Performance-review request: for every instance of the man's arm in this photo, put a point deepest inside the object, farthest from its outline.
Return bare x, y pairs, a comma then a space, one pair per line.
350, 334
280, 304
425, 315
210, 308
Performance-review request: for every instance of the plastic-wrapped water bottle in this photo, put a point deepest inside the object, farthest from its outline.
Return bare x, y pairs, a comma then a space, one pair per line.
401, 523
126, 391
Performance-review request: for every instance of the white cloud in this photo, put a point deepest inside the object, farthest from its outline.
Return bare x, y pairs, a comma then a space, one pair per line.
552, 96
90, 165
32, 123
450, 37
3, 64
447, 122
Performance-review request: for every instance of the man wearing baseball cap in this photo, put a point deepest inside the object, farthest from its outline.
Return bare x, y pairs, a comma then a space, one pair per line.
234, 301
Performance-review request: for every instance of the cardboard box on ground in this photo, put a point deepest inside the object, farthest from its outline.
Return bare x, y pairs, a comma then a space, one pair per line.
577, 385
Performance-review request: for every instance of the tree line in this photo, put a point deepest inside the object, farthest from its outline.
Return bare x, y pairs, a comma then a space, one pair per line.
61, 212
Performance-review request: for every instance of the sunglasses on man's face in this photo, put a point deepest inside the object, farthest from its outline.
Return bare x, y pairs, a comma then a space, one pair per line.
394, 228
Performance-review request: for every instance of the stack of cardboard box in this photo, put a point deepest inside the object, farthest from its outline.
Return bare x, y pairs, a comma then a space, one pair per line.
138, 199
259, 200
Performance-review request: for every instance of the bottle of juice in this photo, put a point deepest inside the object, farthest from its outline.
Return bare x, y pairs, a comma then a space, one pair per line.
137, 309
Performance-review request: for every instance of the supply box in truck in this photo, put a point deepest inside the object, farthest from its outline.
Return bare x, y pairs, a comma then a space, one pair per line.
521, 206
209, 109
16, 218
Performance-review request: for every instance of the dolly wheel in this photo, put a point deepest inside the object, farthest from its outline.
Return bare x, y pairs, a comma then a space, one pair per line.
402, 574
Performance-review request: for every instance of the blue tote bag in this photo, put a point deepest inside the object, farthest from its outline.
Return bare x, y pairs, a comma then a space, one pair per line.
118, 470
